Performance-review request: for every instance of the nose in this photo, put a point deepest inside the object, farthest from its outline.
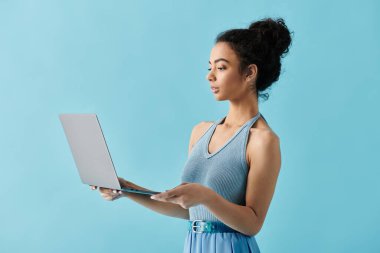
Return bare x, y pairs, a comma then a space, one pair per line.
210, 76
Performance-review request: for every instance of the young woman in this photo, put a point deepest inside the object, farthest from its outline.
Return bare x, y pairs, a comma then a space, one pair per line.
230, 176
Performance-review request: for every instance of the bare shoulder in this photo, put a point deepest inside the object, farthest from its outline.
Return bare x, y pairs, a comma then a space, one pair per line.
262, 141
263, 135
198, 131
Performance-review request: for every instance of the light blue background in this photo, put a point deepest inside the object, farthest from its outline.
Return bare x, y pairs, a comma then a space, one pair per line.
141, 66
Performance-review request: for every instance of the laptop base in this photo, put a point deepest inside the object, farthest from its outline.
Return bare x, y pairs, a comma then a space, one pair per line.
138, 191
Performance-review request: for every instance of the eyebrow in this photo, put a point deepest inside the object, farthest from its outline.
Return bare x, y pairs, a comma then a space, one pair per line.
220, 59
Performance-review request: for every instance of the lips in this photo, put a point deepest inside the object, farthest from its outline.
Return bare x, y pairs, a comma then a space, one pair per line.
214, 89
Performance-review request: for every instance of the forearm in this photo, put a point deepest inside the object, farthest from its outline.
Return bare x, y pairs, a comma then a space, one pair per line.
240, 218
168, 209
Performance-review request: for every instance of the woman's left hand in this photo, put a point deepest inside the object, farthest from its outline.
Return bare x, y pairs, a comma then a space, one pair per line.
186, 195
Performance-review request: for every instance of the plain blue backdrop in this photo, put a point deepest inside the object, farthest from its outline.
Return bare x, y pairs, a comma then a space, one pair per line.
141, 66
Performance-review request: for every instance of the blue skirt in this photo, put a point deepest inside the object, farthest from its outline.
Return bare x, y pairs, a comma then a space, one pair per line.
221, 242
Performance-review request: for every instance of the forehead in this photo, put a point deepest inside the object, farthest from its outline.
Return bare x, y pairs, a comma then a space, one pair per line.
223, 50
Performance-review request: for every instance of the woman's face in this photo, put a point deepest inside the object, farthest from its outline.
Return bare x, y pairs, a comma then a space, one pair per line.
224, 74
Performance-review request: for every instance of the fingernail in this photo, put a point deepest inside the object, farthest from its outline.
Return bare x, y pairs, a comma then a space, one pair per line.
114, 191
152, 197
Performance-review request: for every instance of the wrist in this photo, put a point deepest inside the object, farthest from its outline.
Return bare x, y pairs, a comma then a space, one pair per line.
209, 196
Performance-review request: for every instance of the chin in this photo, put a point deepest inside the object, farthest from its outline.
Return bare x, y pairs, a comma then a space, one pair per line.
219, 98
216, 96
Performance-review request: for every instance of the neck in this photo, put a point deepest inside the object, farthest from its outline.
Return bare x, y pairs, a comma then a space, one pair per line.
241, 111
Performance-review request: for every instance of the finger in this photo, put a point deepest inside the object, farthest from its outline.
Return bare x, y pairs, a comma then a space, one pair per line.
105, 190
172, 199
108, 197
106, 193
111, 193
164, 195
171, 193
159, 196
114, 197
117, 192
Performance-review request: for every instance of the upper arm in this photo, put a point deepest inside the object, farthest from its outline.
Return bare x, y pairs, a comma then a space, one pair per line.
265, 163
197, 133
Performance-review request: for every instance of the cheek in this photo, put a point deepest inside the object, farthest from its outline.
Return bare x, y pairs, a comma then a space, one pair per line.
231, 80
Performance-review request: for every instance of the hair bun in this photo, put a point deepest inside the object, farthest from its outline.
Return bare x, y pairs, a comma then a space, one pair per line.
273, 32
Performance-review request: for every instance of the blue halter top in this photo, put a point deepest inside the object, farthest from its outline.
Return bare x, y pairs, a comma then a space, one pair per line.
224, 171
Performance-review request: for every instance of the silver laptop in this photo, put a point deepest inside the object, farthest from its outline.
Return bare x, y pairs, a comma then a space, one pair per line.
90, 151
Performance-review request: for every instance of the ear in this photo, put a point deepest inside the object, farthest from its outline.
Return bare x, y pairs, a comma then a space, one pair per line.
251, 73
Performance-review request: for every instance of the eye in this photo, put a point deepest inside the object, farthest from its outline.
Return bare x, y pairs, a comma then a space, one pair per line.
220, 68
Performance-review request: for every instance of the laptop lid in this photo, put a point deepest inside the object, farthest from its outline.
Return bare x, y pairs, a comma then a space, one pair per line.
90, 151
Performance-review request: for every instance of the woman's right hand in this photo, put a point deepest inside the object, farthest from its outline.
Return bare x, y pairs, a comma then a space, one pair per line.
111, 195
108, 194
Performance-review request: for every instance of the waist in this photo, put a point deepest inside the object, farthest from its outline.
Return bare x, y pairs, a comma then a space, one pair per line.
202, 226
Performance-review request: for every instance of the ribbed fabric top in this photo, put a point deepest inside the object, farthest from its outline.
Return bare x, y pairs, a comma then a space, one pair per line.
225, 171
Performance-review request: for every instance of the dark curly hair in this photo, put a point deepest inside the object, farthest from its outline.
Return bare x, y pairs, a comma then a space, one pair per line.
264, 43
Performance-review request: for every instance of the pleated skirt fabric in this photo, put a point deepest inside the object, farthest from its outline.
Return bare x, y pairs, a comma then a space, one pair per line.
221, 242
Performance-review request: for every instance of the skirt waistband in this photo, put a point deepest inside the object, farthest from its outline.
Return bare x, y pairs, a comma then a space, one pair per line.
202, 226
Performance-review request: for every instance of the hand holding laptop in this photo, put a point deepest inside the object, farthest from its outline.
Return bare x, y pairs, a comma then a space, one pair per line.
108, 194
112, 194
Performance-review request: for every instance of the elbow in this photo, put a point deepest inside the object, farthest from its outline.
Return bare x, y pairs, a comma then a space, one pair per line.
258, 228
250, 233
254, 230
256, 224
